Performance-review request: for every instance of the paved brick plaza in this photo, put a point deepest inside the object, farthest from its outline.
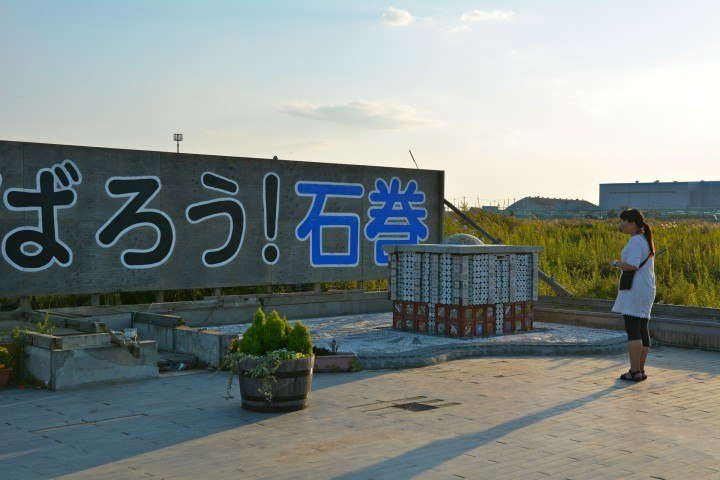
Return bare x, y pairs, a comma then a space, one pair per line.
514, 418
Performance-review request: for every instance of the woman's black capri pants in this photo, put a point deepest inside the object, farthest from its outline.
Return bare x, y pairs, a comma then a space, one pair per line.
637, 329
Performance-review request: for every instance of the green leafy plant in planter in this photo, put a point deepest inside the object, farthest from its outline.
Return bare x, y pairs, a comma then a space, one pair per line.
5, 358
5, 368
269, 349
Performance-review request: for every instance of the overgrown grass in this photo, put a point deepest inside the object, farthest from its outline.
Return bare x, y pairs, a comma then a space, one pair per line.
577, 253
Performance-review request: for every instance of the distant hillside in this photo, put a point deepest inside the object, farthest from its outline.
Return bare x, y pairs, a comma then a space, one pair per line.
542, 203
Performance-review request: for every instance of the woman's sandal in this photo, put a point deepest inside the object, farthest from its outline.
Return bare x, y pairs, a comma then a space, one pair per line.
642, 375
630, 376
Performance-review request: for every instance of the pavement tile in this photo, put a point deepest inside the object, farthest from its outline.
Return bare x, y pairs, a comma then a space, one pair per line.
509, 418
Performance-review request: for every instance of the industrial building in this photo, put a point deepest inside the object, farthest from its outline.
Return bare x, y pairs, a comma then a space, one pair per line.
660, 195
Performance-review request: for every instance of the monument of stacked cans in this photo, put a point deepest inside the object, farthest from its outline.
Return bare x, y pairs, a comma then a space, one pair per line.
463, 290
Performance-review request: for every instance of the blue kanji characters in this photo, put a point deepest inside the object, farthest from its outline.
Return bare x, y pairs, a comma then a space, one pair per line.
220, 207
399, 217
32, 249
134, 214
317, 220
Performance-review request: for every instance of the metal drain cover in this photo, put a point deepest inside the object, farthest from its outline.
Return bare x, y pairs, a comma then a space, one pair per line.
415, 406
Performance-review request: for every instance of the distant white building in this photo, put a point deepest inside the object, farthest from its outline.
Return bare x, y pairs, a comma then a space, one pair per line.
660, 195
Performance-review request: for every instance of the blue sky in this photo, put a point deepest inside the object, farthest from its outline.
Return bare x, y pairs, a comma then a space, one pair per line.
510, 98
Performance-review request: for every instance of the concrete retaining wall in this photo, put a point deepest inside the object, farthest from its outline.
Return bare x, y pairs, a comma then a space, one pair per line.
62, 369
671, 324
209, 346
233, 309
161, 328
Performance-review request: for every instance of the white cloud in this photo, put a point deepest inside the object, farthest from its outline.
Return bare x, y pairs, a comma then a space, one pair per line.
497, 136
522, 56
360, 113
480, 16
457, 30
397, 18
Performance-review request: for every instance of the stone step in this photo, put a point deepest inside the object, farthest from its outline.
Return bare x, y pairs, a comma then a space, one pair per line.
171, 361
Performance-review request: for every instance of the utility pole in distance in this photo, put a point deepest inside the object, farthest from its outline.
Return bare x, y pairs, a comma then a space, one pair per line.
177, 137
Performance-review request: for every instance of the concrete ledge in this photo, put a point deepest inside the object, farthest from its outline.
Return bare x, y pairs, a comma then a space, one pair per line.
579, 318
72, 368
157, 327
209, 346
59, 320
53, 342
89, 340
659, 309
157, 319
682, 332
234, 309
227, 310
435, 355
85, 325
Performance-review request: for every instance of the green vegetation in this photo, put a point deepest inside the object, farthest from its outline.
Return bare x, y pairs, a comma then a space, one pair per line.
5, 358
577, 253
269, 342
273, 333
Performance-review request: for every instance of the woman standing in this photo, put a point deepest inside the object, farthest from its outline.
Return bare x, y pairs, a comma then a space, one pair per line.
636, 301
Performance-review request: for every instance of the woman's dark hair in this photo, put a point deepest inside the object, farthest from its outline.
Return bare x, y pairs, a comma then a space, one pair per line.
633, 215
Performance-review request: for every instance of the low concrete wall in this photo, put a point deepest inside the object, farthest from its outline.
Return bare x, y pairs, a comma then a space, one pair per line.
671, 324
233, 309
209, 346
161, 328
62, 369
659, 309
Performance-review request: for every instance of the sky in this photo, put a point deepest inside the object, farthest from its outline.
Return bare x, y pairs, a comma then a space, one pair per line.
510, 98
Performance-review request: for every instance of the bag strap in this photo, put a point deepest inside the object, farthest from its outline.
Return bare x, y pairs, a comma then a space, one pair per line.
643, 263
648, 257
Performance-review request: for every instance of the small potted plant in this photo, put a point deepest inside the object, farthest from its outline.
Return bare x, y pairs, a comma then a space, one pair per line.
5, 369
274, 364
330, 360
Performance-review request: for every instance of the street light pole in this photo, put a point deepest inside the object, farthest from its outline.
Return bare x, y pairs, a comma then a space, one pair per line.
178, 138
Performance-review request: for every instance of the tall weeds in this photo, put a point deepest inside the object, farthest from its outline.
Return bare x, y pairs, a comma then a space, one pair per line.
577, 253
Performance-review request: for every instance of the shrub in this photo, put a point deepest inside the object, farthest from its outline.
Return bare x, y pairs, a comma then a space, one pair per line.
5, 358
271, 340
273, 333
251, 342
273, 336
299, 340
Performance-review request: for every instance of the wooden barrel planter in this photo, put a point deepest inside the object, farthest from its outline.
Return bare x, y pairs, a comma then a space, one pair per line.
290, 393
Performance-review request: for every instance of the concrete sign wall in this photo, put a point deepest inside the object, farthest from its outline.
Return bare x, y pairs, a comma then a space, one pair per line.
93, 220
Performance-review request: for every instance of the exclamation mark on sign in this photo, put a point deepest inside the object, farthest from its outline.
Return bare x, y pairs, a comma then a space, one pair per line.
271, 204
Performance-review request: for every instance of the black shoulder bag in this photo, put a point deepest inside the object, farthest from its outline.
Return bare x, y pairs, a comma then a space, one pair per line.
626, 277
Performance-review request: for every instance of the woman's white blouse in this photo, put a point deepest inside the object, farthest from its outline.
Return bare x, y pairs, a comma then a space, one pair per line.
639, 299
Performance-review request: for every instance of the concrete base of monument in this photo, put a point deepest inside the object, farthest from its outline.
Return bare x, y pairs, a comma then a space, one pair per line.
379, 346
